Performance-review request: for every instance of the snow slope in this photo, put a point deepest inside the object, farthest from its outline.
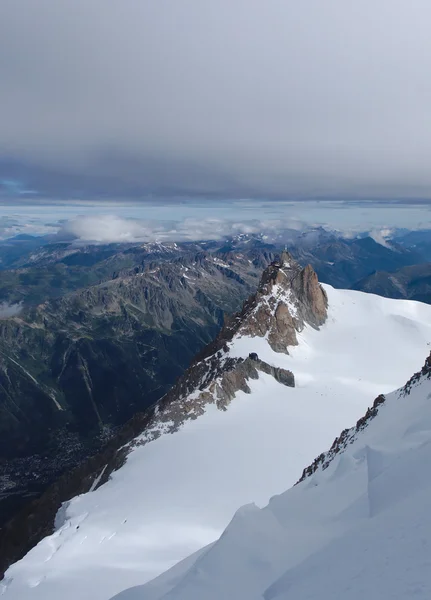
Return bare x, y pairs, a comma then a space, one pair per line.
177, 493
359, 529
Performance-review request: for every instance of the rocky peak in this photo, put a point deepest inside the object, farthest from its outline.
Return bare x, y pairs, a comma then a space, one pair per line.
288, 297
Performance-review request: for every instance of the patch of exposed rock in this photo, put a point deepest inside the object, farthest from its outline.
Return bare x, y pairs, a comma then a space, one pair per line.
222, 377
215, 380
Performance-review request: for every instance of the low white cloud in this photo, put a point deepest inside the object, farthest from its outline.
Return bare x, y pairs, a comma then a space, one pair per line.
106, 228
9, 310
102, 229
382, 236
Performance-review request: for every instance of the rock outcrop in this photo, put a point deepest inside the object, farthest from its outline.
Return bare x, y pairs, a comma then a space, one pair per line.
288, 297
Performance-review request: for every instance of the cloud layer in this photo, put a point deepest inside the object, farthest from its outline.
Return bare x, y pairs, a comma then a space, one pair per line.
101, 229
229, 97
104, 222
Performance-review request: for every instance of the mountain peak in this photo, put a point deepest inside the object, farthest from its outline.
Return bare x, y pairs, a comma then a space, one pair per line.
288, 297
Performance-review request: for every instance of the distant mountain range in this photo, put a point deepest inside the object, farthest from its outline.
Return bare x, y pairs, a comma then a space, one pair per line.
36, 268
412, 282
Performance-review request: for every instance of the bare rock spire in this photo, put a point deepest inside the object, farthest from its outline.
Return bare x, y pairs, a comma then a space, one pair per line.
288, 297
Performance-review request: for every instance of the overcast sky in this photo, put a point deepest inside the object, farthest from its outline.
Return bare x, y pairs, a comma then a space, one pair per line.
241, 97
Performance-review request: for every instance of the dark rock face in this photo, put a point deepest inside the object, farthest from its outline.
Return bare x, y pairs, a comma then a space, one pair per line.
232, 381
312, 299
340, 443
424, 373
283, 376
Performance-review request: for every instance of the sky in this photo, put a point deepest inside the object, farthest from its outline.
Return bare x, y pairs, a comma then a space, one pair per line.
233, 98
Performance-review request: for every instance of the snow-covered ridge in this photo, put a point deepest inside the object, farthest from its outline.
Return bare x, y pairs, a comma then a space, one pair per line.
220, 371
349, 436
176, 493
358, 529
287, 299
346, 437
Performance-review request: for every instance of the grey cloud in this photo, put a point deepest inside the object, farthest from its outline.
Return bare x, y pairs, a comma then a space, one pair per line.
235, 96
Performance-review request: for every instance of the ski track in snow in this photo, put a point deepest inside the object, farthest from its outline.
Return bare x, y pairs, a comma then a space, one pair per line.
178, 493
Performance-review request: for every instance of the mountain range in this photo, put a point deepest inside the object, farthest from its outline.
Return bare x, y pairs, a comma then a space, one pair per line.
296, 365
91, 334
412, 282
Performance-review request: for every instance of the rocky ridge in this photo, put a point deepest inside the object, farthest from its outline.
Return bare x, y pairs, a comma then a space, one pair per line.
74, 369
287, 298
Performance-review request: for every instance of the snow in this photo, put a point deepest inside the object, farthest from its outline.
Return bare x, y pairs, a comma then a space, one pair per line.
220, 262
363, 344
176, 494
360, 529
